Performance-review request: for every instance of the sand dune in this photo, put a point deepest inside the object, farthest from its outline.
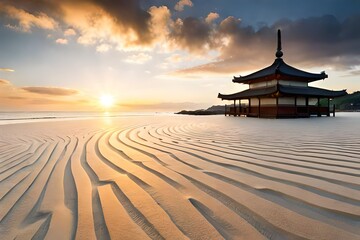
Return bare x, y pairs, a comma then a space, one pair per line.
181, 177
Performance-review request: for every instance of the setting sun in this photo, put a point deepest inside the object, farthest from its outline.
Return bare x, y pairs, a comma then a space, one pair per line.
107, 100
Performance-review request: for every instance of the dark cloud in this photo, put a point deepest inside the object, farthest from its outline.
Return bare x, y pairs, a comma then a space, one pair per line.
352, 73
192, 34
312, 41
51, 91
322, 39
315, 41
129, 15
35, 6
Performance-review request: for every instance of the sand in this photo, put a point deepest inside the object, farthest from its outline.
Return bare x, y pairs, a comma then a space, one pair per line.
181, 177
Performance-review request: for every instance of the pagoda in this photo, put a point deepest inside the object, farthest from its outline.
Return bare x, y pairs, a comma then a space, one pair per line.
281, 91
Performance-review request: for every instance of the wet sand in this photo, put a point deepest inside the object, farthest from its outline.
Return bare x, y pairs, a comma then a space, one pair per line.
181, 177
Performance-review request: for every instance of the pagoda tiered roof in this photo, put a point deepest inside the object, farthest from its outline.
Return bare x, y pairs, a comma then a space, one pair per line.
281, 71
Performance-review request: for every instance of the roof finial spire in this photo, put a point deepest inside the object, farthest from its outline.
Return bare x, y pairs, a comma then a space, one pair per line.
279, 53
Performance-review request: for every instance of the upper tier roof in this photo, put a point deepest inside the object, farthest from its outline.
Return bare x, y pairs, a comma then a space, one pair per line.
280, 70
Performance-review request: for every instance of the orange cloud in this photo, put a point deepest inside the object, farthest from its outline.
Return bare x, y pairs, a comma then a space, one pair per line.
27, 20
181, 4
2, 81
139, 58
62, 41
122, 24
51, 90
211, 17
43, 98
103, 47
69, 32
6, 70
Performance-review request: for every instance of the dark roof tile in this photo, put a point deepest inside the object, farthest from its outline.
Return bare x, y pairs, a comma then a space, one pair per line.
280, 67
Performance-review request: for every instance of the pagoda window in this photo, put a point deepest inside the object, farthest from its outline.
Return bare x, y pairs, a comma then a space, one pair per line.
313, 101
286, 101
268, 101
300, 101
254, 102
262, 84
293, 83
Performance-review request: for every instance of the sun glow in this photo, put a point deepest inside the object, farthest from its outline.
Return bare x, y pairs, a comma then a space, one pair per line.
106, 100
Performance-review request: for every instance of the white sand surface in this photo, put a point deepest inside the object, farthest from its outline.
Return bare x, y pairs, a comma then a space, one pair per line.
181, 177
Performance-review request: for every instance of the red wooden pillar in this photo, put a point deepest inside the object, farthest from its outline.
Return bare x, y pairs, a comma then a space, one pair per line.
234, 107
239, 107
307, 106
249, 110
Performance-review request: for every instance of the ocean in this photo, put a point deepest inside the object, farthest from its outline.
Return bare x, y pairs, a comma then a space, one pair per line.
42, 116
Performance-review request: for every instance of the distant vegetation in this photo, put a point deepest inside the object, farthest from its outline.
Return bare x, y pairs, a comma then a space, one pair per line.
213, 110
350, 102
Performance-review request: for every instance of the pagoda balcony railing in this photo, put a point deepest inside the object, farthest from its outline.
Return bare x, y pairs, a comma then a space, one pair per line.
237, 110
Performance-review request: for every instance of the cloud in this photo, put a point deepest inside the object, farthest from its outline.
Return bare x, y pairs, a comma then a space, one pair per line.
103, 47
6, 70
124, 25
192, 34
43, 98
354, 73
175, 58
51, 91
181, 4
69, 32
27, 20
211, 17
160, 24
309, 42
129, 16
4, 82
16, 98
62, 41
139, 58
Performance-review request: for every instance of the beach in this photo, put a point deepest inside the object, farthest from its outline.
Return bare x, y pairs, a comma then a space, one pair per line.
181, 177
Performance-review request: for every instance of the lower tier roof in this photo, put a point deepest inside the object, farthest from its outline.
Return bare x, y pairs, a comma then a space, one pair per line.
283, 90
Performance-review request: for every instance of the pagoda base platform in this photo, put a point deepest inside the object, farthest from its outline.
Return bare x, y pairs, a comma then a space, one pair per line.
280, 111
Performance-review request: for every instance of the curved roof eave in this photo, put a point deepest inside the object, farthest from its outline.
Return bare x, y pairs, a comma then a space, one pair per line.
249, 93
280, 67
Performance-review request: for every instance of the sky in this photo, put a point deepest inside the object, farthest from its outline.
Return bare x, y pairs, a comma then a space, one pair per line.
164, 55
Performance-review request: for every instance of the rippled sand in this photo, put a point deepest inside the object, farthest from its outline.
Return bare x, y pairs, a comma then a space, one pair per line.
178, 177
